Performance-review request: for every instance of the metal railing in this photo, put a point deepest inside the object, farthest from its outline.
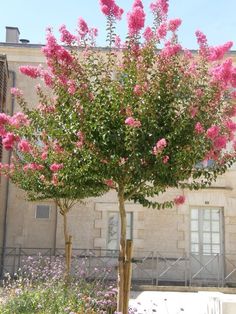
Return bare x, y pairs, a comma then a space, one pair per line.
149, 267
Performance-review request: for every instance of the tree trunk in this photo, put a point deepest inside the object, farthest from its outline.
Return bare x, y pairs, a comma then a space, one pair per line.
68, 246
123, 291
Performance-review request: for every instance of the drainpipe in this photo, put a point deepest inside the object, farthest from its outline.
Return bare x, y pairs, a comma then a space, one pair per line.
5, 207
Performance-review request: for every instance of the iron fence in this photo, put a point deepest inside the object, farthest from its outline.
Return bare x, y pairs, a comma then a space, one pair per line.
149, 267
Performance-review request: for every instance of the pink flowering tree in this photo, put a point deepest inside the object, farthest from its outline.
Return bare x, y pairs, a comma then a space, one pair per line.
147, 118
41, 166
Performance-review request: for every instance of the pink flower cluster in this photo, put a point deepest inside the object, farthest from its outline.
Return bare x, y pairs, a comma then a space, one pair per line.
66, 36
83, 28
179, 200
110, 8
201, 38
199, 128
160, 145
212, 132
56, 52
148, 34
19, 119
110, 183
136, 18
162, 31
56, 167
16, 92
170, 49
220, 142
160, 7
9, 140
33, 166
71, 86
133, 122
24, 146
31, 71
224, 74
173, 25
80, 142
217, 53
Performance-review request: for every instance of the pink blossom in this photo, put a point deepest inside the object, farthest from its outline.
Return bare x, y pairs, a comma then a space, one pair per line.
16, 92
110, 183
57, 147
148, 34
80, 142
170, 49
165, 159
133, 122
212, 132
222, 74
220, 142
173, 25
56, 167
24, 146
138, 90
83, 27
201, 38
55, 179
179, 200
33, 166
9, 140
160, 145
110, 8
231, 126
117, 42
71, 87
47, 77
198, 128
4, 119
160, 7
93, 31
162, 31
217, 53
233, 94
19, 119
66, 36
3, 131
136, 19
42, 177
30, 71
44, 155
53, 51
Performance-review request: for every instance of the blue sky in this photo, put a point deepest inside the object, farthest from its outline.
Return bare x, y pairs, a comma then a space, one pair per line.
216, 18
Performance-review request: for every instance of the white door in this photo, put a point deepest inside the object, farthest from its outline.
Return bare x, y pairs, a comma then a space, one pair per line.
206, 244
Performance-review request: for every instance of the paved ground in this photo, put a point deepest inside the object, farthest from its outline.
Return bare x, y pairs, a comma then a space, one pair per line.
149, 302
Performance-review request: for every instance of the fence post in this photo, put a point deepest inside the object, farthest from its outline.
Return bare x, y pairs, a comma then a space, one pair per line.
185, 269
157, 268
19, 258
190, 269
14, 262
152, 268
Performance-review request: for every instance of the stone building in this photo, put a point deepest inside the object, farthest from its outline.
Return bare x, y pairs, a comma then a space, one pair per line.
195, 242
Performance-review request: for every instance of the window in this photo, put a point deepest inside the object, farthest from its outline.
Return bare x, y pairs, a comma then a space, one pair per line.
113, 234
42, 212
206, 235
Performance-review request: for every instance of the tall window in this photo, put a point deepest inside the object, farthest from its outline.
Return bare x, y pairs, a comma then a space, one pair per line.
114, 229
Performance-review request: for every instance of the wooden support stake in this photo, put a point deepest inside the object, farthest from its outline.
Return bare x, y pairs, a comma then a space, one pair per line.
127, 275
